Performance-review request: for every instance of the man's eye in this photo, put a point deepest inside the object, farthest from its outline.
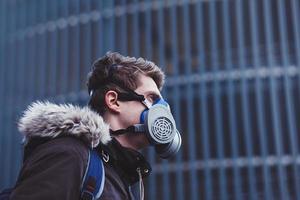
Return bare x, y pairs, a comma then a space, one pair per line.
153, 98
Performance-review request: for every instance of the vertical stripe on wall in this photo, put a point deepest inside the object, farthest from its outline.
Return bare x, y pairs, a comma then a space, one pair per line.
232, 80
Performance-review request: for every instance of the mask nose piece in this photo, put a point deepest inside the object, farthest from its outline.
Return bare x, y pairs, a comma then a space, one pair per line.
147, 104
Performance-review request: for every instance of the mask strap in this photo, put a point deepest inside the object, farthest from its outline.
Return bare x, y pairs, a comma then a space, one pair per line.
138, 128
130, 96
121, 131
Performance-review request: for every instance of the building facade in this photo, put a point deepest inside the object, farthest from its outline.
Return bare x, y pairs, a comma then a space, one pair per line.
232, 80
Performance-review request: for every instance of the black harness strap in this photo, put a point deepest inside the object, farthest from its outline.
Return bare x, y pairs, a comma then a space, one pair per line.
122, 131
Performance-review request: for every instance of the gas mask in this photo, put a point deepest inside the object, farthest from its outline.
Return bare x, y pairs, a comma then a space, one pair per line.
160, 128
156, 121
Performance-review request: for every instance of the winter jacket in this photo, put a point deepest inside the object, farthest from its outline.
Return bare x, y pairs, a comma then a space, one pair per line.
57, 141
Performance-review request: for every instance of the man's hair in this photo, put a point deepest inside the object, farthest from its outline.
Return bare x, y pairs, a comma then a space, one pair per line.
121, 69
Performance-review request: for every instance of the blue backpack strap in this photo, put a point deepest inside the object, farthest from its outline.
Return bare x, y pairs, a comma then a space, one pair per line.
94, 177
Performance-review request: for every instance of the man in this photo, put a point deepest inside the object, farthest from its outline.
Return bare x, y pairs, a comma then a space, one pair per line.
126, 113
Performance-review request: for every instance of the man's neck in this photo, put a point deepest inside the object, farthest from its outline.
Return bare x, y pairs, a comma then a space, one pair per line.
124, 142
135, 141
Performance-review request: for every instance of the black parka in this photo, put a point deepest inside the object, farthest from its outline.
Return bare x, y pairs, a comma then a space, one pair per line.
58, 138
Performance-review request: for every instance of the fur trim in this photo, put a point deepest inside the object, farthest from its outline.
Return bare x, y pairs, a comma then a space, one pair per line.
45, 119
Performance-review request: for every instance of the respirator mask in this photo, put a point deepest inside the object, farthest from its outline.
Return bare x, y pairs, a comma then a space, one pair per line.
156, 122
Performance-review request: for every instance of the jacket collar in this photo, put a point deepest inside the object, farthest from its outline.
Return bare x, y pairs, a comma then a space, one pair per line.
127, 162
45, 119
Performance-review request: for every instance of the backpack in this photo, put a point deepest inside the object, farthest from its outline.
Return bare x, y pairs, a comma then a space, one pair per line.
93, 181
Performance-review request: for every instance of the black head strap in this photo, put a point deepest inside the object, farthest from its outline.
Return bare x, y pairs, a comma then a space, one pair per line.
138, 128
128, 95
122, 131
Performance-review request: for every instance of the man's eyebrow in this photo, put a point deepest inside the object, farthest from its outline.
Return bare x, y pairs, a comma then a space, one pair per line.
153, 93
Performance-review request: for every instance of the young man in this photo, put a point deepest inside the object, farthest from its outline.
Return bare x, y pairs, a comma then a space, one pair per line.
126, 113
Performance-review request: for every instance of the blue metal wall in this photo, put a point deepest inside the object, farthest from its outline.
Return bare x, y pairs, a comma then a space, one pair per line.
233, 84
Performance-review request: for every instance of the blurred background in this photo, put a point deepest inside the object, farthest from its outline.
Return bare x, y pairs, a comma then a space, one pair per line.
232, 81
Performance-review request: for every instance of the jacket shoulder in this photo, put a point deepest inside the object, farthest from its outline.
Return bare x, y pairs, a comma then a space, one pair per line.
54, 170
68, 146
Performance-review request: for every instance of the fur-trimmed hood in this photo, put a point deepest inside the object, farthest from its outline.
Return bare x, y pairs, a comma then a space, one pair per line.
45, 119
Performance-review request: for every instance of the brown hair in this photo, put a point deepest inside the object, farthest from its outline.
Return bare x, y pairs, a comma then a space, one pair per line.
126, 73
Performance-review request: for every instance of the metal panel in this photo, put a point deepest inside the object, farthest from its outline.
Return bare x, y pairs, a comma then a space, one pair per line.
18, 91
75, 46
232, 80
217, 99
276, 121
53, 50
162, 63
180, 188
6, 120
3, 36
11, 63
135, 31
123, 25
63, 49
98, 41
247, 129
296, 30
203, 102
189, 103
151, 154
85, 50
231, 100
290, 108
259, 101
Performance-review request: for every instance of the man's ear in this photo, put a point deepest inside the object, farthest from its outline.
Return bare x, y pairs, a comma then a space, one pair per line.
111, 101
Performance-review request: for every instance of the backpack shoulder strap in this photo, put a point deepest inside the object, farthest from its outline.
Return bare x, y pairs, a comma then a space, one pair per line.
94, 178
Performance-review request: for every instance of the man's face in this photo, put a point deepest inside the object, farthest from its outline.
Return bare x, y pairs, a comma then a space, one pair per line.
130, 111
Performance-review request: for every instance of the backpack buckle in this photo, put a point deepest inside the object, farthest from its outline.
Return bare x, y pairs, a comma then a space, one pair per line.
86, 195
